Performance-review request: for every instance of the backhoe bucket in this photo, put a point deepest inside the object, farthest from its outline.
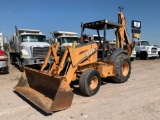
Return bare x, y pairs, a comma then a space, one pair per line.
49, 93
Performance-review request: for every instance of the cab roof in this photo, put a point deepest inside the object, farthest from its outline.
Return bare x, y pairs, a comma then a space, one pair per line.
100, 25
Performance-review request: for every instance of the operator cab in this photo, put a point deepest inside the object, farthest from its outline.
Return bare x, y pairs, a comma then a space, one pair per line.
101, 25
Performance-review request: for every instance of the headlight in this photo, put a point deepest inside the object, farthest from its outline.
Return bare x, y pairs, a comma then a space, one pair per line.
63, 47
24, 54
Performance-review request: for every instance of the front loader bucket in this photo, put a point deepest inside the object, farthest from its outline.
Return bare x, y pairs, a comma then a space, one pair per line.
49, 93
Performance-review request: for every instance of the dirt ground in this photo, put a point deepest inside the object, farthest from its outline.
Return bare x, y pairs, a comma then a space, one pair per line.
137, 99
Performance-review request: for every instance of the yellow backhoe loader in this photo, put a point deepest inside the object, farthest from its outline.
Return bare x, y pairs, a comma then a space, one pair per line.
87, 62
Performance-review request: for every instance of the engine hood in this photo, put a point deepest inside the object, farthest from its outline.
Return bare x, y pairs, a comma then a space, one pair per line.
35, 44
70, 44
65, 44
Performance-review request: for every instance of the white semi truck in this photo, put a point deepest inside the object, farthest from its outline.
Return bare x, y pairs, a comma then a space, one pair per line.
158, 48
28, 47
65, 38
144, 50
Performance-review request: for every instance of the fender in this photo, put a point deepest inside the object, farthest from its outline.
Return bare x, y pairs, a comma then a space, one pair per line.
24, 54
115, 53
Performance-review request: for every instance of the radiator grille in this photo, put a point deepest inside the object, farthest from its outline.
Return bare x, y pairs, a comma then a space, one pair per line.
40, 52
153, 50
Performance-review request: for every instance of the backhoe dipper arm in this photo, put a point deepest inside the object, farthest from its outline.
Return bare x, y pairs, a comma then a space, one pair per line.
123, 35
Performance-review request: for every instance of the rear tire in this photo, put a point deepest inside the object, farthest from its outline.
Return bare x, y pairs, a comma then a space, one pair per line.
4, 70
122, 68
12, 59
90, 81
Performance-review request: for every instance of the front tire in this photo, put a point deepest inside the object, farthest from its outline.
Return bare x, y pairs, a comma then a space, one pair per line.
122, 68
21, 67
131, 59
4, 70
90, 81
143, 56
20, 64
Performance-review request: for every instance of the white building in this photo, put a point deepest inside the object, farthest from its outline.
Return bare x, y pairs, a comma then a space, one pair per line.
1, 41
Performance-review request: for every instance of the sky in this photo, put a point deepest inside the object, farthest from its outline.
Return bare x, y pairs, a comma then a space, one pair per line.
67, 15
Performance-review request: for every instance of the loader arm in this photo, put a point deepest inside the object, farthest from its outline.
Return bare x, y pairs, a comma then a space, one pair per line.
64, 58
52, 51
85, 54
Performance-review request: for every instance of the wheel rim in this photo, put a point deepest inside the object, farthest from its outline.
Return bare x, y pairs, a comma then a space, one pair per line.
94, 83
125, 68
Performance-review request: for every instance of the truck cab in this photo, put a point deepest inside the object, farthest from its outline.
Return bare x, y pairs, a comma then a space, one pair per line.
158, 48
144, 50
28, 47
64, 38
